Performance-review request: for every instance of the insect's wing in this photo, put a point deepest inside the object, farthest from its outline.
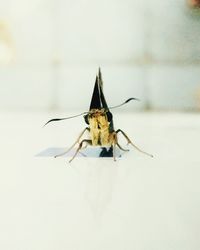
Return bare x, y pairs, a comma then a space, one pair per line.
100, 78
102, 97
96, 99
103, 100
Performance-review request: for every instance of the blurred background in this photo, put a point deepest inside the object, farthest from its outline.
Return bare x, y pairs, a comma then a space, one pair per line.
50, 52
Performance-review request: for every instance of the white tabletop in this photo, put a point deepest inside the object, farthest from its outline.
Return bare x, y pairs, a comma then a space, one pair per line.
94, 203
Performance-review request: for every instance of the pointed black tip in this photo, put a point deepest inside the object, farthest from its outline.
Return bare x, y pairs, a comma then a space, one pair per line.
96, 102
132, 98
99, 74
100, 78
61, 119
52, 120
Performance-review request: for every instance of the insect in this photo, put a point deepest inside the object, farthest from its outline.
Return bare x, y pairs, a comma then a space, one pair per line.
100, 125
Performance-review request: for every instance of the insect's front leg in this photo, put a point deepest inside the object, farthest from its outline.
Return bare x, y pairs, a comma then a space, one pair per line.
77, 141
130, 142
80, 147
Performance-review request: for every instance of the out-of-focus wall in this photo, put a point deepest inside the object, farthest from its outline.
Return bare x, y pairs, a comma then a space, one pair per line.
147, 49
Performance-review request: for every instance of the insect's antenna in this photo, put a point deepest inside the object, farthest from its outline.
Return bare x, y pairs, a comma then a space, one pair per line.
128, 100
66, 118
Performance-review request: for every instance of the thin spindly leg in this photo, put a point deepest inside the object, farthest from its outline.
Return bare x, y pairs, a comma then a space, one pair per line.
120, 147
79, 148
114, 152
114, 145
130, 142
83, 148
77, 141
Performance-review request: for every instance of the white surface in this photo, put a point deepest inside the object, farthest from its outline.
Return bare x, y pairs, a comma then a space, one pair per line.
90, 152
97, 204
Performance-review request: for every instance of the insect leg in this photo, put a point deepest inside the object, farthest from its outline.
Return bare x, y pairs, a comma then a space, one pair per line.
114, 152
114, 143
77, 141
130, 142
79, 148
120, 147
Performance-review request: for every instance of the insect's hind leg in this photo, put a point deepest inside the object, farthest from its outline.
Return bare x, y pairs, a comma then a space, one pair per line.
123, 149
130, 142
114, 143
80, 147
77, 141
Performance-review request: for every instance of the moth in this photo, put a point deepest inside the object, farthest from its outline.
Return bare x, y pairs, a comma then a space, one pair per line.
100, 125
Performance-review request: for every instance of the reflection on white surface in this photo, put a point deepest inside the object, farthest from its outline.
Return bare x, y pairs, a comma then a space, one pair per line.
99, 189
86, 152
134, 203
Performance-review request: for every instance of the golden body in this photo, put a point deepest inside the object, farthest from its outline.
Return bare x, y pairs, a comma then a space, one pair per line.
100, 124
100, 134
99, 129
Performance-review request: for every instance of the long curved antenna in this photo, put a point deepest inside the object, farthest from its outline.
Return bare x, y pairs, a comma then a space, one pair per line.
128, 100
66, 118
84, 113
